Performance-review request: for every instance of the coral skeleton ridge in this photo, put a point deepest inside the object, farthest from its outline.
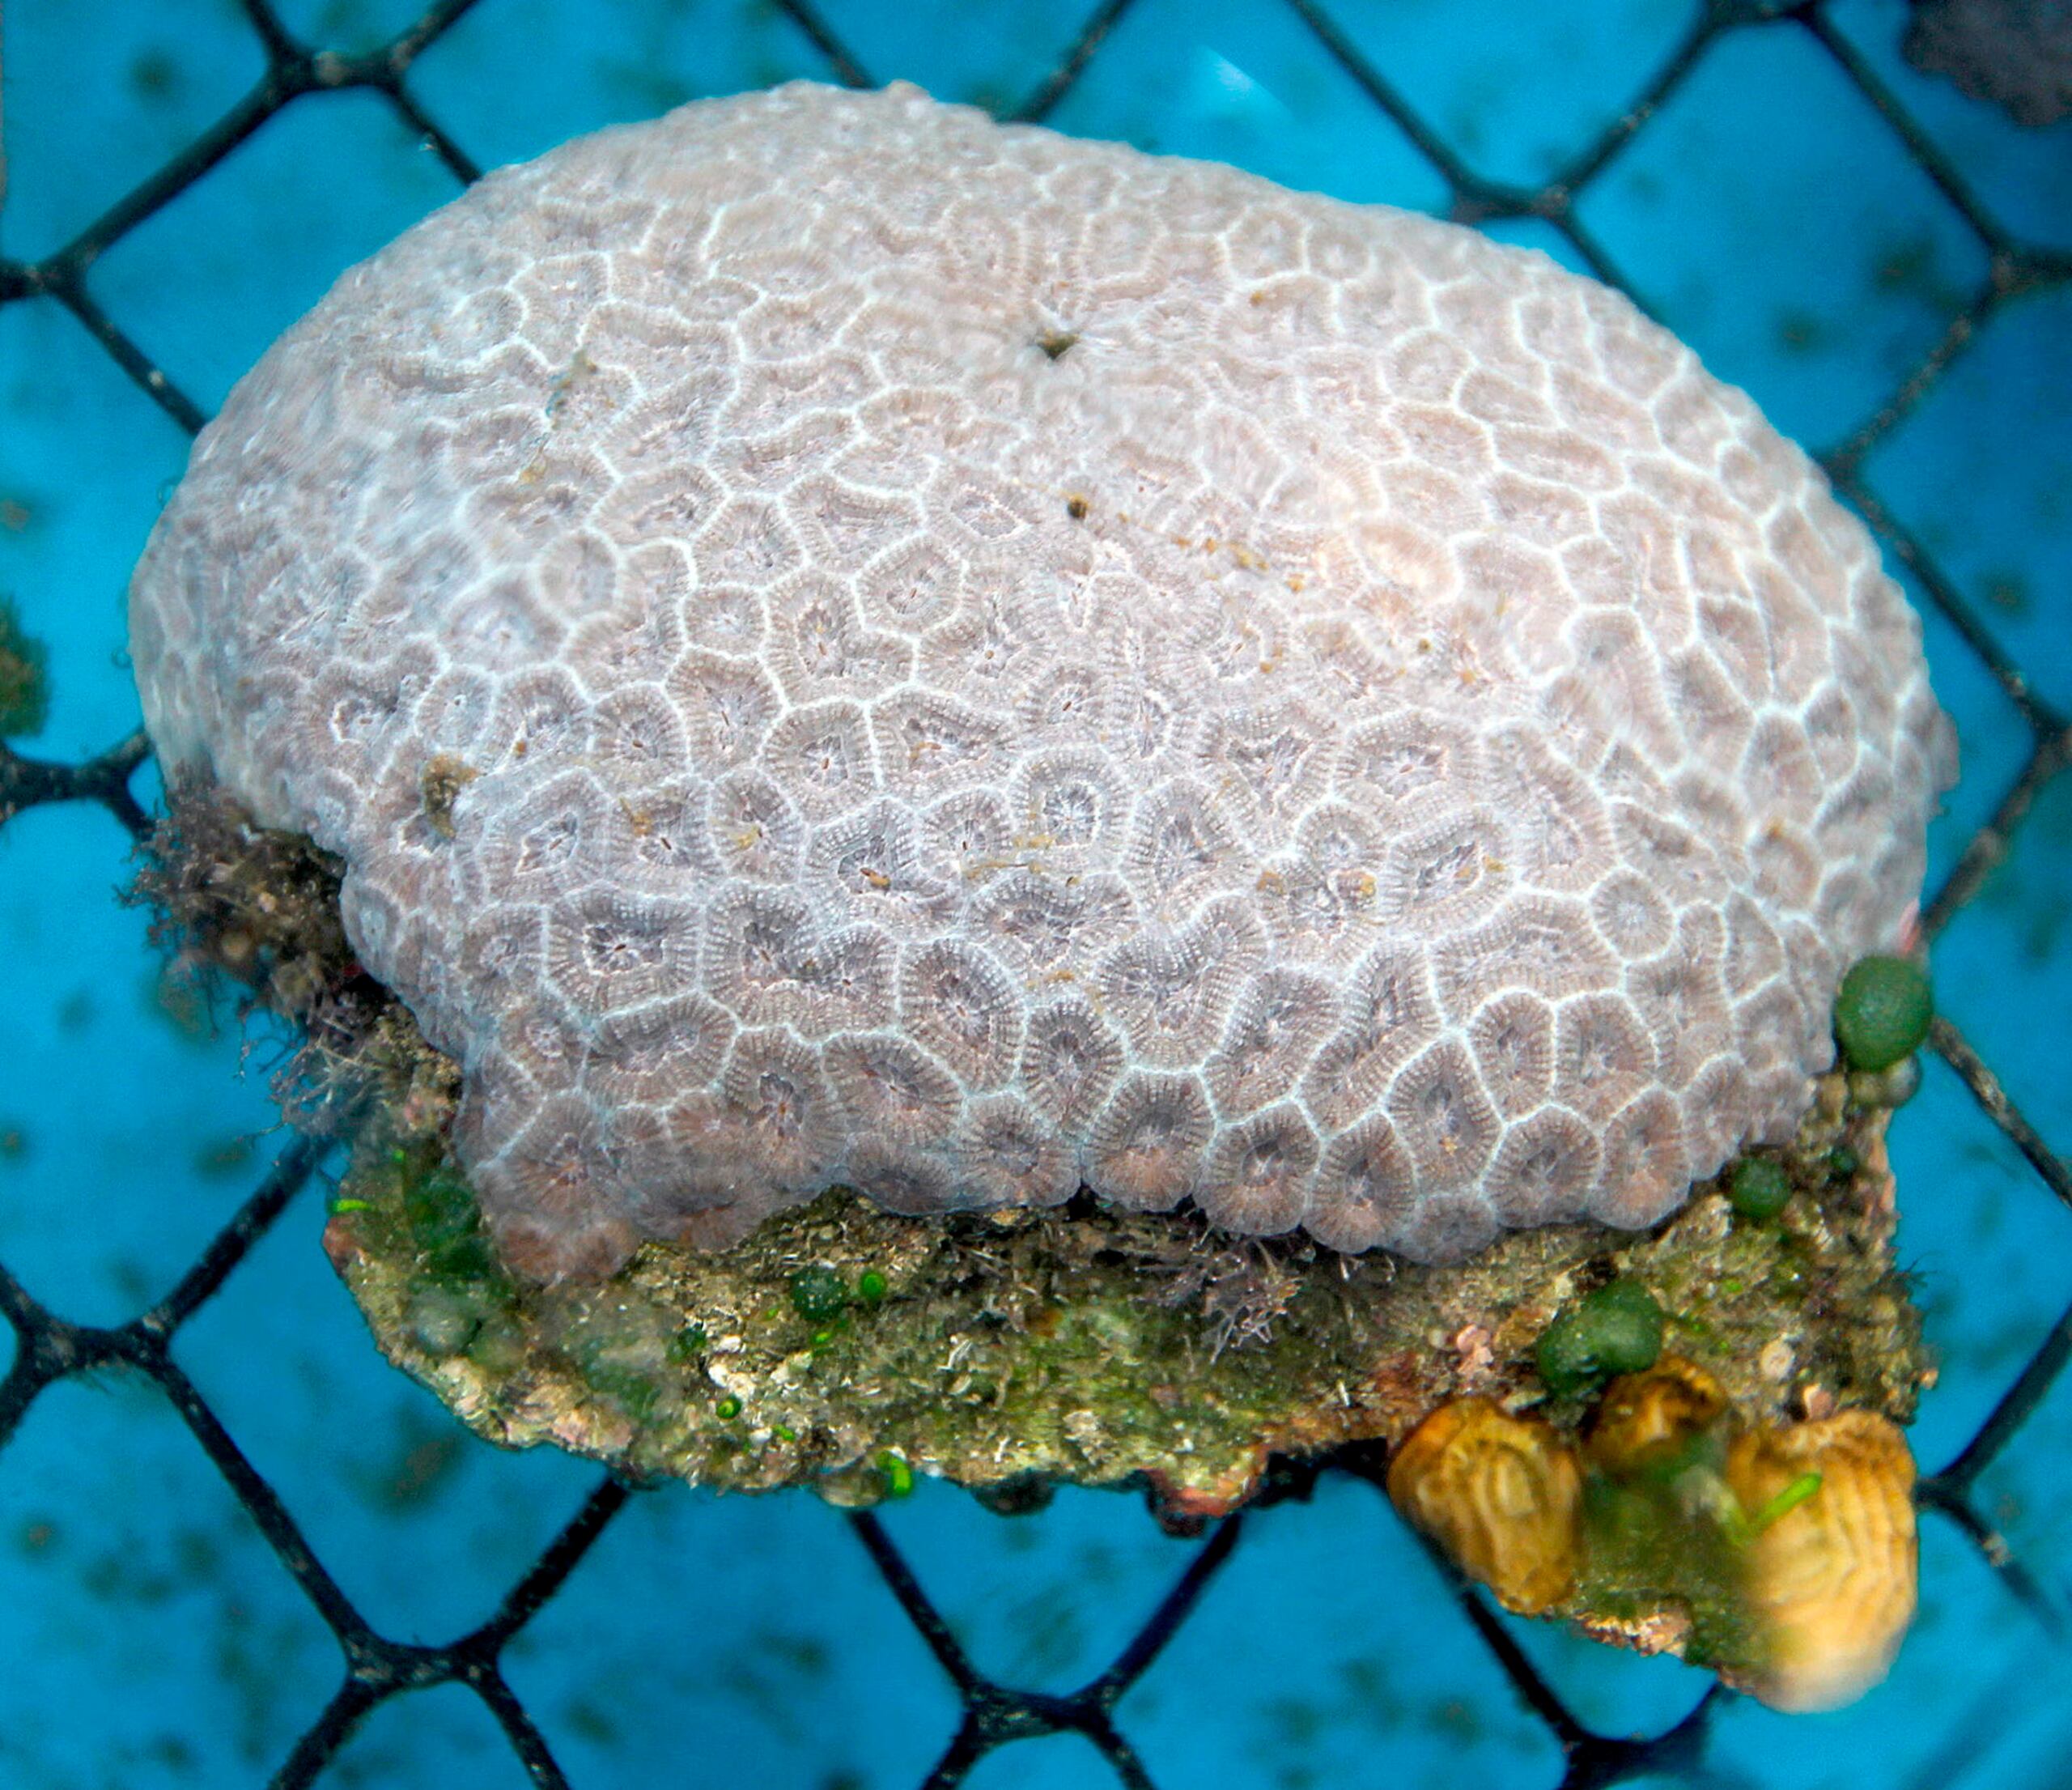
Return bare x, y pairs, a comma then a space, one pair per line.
839, 642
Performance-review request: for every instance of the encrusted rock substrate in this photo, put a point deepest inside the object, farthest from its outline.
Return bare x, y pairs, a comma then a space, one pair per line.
1012, 1350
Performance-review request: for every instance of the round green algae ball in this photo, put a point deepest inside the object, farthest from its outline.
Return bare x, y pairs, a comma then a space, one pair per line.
1882, 1012
818, 1295
1759, 1187
1615, 1330
688, 1344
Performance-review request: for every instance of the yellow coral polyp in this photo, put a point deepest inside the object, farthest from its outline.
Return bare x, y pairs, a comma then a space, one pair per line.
1650, 1423
1502, 1495
1831, 1579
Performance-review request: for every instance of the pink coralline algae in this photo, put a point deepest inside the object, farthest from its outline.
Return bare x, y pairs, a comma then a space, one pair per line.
839, 642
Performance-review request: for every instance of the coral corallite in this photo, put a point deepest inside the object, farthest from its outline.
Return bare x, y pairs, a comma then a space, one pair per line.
839, 642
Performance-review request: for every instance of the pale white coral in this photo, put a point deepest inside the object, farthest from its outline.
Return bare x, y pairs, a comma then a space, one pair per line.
968, 663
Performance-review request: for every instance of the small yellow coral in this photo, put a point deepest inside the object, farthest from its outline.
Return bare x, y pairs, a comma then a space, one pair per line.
1501, 1494
1647, 1423
1831, 1579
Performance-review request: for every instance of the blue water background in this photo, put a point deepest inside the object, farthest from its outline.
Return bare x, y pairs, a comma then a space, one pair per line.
148, 1637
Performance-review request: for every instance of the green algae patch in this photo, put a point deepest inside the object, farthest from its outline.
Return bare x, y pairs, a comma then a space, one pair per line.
1616, 1330
1758, 1187
24, 677
1652, 1560
1018, 1349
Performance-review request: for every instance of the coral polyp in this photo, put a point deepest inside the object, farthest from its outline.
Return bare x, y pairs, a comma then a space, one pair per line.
1501, 1494
1649, 1423
1831, 1579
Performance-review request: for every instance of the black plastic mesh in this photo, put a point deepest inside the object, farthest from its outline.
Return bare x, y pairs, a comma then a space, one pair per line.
50, 1348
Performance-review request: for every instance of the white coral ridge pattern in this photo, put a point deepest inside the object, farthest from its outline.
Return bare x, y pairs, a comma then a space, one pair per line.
841, 642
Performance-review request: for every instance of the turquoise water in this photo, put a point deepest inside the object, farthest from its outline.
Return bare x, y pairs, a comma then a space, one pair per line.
148, 1636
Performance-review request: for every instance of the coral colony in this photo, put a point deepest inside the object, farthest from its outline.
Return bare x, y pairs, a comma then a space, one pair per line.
1192, 736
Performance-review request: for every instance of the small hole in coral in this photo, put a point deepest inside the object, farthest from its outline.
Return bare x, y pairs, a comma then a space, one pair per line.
1054, 342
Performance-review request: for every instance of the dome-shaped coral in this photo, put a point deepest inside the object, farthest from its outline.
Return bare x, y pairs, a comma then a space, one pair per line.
837, 641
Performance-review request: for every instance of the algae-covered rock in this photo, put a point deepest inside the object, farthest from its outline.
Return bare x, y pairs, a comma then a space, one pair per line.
1089, 1345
